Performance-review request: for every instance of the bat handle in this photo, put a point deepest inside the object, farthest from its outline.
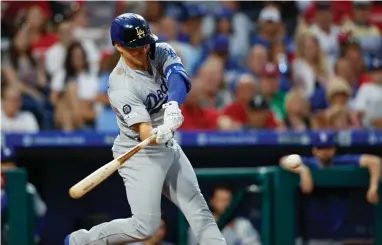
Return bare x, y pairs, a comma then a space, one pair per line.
147, 141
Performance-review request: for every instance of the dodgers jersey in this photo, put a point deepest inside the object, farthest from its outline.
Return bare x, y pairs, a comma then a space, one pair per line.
137, 96
342, 160
326, 210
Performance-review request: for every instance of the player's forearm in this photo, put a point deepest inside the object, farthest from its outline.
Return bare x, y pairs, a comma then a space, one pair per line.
144, 130
375, 172
373, 163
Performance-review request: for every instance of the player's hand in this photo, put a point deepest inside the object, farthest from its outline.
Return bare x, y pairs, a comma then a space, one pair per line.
306, 181
173, 117
164, 134
372, 195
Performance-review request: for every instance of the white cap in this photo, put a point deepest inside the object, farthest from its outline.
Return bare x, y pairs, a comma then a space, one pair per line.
270, 14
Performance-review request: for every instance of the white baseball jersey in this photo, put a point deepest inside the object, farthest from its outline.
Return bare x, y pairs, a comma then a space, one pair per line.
137, 96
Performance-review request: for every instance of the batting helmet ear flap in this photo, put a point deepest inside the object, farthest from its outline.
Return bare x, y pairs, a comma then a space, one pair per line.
152, 51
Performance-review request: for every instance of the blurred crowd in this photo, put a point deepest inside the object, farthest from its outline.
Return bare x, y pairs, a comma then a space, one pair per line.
292, 65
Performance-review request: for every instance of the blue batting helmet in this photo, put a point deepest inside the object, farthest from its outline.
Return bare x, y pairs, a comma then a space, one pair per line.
131, 31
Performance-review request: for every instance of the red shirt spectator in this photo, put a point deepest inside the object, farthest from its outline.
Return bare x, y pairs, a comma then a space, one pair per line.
199, 118
39, 35
195, 116
237, 112
39, 46
14, 7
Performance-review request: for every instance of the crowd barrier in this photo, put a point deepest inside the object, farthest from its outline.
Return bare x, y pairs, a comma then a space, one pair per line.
191, 139
19, 214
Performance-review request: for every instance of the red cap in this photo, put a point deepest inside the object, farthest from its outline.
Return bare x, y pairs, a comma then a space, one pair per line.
270, 70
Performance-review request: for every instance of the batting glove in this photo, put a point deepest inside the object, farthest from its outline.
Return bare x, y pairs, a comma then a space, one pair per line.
164, 134
173, 117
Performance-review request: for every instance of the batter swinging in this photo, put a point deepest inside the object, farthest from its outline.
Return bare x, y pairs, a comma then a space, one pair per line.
145, 91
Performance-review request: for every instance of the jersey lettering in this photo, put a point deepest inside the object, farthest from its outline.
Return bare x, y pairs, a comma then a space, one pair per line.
171, 52
154, 101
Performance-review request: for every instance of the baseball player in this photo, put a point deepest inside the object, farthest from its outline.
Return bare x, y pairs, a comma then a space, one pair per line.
328, 210
324, 155
145, 90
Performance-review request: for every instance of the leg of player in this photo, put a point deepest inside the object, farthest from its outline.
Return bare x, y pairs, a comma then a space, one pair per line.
182, 188
143, 176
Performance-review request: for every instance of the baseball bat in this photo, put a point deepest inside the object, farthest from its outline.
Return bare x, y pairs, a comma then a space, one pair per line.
95, 178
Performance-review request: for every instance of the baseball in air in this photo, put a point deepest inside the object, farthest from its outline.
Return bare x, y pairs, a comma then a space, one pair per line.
293, 160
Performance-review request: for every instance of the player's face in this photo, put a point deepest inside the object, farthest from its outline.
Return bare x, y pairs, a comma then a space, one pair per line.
136, 57
221, 200
324, 154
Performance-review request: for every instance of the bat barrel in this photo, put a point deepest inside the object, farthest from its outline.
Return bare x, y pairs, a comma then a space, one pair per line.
95, 178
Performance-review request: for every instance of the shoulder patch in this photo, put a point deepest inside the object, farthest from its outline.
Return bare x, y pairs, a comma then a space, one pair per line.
126, 109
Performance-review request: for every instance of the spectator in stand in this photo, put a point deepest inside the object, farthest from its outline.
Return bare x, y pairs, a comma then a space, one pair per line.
12, 119
55, 55
368, 101
338, 115
270, 29
168, 29
106, 120
157, 238
258, 114
278, 56
154, 11
244, 89
88, 36
297, 111
191, 20
225, 25
190, 32
343, 69
352, 51
74, 91
269, 82
310, 70
257, 59
241, 23
220, 50
326, 32
198, 118
361, 27
23, 70
40, 35
239, 231
215, 93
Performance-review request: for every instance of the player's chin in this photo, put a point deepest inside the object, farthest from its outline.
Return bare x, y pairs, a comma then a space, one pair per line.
140, 60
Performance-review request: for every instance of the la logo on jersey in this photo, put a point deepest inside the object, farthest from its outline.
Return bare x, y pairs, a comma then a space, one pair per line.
155, 100
140, 32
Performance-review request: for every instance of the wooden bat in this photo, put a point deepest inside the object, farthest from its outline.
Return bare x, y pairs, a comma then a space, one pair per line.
95, 178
